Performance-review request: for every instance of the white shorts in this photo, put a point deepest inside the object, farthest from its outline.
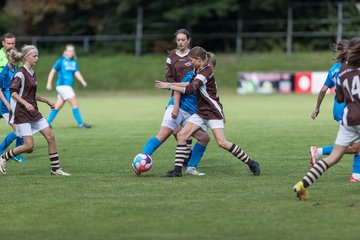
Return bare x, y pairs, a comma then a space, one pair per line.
347, 135
206, 124
169, 122
29, 129
65, 92
6, 117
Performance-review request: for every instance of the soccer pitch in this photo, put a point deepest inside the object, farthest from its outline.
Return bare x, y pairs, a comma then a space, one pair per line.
103, 199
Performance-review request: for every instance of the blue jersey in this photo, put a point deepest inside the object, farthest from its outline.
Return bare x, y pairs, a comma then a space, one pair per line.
330, 82
66, 68
188, 103
6, 76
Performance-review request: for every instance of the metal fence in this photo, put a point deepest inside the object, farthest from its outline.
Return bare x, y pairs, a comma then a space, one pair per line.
237, 37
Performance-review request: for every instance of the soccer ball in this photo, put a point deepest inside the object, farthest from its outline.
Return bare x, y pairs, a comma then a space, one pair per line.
141, 163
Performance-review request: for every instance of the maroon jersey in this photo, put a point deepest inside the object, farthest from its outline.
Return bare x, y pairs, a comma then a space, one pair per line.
177, 65
348, 90
208, 104
24, 83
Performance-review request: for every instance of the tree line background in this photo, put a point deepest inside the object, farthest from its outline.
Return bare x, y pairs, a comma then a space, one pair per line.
163, 17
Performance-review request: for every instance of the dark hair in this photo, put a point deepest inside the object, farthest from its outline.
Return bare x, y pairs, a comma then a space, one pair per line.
207, 57
183, 31
8, 35
354, 53
341, 49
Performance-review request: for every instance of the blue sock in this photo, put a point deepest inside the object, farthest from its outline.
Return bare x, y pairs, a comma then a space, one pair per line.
77, 116
7, 141
52, 115
356, 165
151, 146
327, 150
19, 141
197, 153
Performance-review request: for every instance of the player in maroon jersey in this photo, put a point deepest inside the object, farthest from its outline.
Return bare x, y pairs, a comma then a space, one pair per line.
209, 113
348, 90
178, 66
25, 113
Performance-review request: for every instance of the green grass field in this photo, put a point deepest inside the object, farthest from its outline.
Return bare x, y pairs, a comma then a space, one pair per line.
120, 72
105, 200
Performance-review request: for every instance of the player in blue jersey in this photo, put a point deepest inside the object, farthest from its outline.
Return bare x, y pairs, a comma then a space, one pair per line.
338, 110
180, 107
6, 75
187, 107
66, 67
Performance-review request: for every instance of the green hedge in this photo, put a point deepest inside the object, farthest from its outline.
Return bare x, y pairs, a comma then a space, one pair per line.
120, 72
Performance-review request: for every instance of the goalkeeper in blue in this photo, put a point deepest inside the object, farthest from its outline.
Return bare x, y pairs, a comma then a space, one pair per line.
66, 67
338, 109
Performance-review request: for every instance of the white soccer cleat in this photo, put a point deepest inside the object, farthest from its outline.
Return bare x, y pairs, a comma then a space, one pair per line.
194, 171
2, 165
60, 172
314, 157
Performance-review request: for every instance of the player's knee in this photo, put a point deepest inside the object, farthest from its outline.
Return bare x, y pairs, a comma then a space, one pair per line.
206, 139
50, 138
181, 137
28, 146
222, 143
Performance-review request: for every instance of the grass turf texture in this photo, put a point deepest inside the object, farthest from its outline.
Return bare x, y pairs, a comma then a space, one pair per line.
105, 200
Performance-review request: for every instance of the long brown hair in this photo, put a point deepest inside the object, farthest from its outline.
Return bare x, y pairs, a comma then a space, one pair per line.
341, 49
207, 57
353, 59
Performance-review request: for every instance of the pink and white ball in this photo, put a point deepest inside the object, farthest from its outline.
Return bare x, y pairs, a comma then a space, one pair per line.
141, 163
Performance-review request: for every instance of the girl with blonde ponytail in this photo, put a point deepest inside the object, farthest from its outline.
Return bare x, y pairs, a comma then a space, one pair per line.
25, 115
14, 57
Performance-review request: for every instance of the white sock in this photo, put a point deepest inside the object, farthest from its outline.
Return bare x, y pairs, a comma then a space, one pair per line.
356, 175
319, 152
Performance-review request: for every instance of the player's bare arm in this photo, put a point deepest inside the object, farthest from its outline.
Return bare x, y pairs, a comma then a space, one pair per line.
50, 79
44, 100
80, 78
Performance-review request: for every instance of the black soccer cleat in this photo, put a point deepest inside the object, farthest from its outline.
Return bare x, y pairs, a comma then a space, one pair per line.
254, 167
173, 173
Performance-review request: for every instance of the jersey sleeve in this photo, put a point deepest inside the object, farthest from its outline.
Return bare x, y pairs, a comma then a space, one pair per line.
57, 65
17, 82
169, 75
329, 80
193, 86
200, 79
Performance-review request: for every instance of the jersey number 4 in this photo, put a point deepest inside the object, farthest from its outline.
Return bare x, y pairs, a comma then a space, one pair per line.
355, 87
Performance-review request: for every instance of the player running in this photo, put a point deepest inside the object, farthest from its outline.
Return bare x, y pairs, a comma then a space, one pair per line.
180, 107
348, 90
25, 113
338, 109
209, 113
6, 75
66, 67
